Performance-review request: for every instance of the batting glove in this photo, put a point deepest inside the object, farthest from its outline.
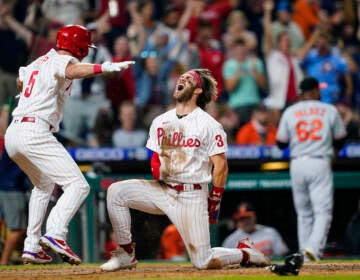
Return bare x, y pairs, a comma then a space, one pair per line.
116, 66
214, 202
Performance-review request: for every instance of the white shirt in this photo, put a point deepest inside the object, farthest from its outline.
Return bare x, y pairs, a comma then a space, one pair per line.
45, 88
184, 145
278, 77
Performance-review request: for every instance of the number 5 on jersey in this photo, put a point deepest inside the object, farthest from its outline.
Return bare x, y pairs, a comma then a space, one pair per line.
30, 84
309, 130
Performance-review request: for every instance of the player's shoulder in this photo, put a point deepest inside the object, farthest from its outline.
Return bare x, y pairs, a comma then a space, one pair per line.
206, 119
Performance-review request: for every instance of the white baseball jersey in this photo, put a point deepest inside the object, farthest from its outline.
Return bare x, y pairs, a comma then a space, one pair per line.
310, 127
184, 145
30, 143
45, 100
266, 239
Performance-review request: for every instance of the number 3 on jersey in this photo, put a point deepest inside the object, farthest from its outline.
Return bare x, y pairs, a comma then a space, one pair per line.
30, 84
309, 130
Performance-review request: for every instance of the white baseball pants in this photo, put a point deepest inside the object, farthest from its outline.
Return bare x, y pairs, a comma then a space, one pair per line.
187, 210
46, 162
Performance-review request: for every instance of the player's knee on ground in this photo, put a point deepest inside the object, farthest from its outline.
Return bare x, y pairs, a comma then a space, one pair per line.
203, 260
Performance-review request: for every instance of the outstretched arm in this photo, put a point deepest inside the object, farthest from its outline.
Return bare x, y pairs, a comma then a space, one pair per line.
268, 44
86, 70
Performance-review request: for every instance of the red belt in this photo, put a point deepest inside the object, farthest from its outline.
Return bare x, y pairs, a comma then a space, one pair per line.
181, 188
32, 120
28, 119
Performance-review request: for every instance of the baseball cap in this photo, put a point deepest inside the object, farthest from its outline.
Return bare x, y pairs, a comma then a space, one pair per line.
244, 209
283, 6
307, 84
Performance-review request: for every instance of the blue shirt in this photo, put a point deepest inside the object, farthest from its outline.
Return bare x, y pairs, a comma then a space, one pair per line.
327, 70
11, 176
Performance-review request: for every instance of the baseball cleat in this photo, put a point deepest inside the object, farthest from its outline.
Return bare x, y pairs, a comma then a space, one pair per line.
61, 248
310, 255
251, 255
120, 259
35, 257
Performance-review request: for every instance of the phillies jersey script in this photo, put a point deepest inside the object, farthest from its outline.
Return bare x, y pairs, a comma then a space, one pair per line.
310, 127
46, 99
178, 141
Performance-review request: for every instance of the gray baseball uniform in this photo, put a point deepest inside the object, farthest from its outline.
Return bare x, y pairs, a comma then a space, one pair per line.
266, 239
310, 128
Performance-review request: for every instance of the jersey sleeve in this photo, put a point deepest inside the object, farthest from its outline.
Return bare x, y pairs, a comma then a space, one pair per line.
339, 130
152, 138
60, 64
217, 140
282, 134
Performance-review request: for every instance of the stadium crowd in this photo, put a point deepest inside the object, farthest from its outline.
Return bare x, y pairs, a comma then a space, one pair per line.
258, 51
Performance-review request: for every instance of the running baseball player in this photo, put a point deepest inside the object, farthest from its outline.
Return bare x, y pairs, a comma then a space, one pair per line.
187, 144
45, 85
311, 128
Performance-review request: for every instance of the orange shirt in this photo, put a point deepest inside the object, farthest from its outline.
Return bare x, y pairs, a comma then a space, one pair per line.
306, 16
171, 244
247, 135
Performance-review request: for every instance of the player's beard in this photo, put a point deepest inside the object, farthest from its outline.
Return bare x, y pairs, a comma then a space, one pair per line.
185, 95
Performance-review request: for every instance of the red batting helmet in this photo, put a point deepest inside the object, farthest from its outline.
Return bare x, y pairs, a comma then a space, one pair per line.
75, 39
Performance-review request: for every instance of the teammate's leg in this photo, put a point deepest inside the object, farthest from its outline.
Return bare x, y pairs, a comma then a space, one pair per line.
321, 193
302, 202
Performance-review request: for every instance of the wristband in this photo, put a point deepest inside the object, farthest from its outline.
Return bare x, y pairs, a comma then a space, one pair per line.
216, 192
97, 69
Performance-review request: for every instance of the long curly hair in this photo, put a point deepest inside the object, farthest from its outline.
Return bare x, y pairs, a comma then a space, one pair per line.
208, 86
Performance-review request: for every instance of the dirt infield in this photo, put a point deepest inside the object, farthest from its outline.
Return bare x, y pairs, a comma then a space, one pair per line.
163, 270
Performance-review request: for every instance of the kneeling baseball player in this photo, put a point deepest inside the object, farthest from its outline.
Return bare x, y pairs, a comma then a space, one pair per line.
189, 149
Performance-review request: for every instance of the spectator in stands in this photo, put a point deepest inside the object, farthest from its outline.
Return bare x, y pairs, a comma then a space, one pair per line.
13, 187
13, 51
37, 45
236, 29
88, 95
243, 76
259, 130
283, 23
306, 15
120, 86
215, 13
327, 68
127, 136
211, 55
351, 122
113, 12
284, 72
100, 135
266, 239
66, 12
172, 247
